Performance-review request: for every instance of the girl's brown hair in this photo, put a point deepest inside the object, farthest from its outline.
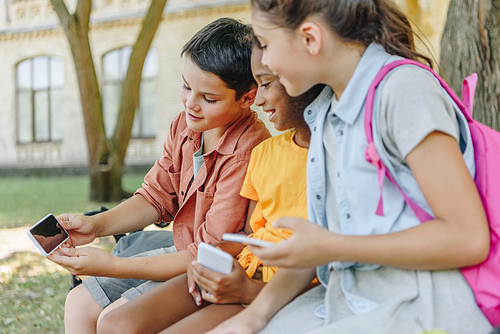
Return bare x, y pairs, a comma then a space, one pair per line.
364, 21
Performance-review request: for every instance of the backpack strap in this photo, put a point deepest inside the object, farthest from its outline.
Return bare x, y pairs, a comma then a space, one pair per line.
371, 154
468, 90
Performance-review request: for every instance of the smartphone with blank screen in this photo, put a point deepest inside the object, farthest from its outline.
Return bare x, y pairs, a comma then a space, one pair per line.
47, 234
214, 258
246, 240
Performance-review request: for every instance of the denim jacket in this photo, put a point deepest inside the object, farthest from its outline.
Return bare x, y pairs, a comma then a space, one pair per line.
355, 185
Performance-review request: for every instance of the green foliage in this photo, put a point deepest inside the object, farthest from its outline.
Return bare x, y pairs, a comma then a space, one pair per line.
24, 200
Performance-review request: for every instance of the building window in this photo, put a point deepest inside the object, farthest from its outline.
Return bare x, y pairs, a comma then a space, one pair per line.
115, 65
39, 100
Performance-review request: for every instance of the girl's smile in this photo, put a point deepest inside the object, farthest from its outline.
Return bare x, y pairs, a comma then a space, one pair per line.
270, 114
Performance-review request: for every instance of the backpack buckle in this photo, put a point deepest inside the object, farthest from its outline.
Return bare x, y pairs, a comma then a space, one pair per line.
371, 155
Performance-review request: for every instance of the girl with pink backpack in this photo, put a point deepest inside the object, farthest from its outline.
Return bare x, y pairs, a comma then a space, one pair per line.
381, 270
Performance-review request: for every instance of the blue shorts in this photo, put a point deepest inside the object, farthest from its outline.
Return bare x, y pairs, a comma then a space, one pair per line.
106, 290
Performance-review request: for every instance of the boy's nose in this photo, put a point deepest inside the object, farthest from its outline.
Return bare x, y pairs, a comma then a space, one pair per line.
191, 103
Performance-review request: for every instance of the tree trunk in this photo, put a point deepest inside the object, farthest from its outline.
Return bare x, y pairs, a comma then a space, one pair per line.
76, 28
471, 43
131, 85
106, 157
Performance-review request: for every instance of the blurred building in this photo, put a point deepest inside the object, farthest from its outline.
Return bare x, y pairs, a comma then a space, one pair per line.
428, 17
41, 123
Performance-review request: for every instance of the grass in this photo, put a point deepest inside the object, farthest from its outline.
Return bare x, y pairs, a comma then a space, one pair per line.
23, 201
33, 289
32, 294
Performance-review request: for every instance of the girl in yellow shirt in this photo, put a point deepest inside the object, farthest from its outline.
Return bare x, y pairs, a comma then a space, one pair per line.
275, 183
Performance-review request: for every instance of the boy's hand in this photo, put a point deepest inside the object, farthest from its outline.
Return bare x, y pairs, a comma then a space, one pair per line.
82, 229
88, 261
233, 288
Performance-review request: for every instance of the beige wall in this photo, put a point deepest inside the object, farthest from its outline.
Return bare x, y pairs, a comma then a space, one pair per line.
30, 28
19, 40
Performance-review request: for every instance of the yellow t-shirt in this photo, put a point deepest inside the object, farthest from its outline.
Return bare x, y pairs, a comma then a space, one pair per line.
276, 179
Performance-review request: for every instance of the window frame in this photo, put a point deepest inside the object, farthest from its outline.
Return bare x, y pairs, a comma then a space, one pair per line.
117, 82
33, 93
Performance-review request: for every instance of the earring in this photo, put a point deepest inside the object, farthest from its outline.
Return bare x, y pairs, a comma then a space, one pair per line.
311, 51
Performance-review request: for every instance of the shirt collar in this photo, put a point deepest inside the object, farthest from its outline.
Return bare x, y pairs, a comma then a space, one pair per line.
352, 100
320, 102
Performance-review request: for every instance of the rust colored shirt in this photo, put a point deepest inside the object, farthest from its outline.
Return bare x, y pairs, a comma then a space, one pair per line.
209, 205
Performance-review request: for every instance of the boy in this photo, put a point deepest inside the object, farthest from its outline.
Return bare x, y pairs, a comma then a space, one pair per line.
196, 181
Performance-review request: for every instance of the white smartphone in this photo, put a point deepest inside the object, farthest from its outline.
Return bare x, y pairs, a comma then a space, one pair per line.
47, 234
214, 258
246, 240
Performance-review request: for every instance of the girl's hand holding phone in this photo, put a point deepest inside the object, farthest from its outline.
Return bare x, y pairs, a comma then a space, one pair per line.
233, 288
302, 250
227, 287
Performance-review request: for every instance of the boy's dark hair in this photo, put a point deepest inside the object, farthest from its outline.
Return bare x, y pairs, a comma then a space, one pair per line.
224, 48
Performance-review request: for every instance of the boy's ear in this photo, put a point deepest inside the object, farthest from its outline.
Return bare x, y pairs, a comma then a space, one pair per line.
248, 98
310, 34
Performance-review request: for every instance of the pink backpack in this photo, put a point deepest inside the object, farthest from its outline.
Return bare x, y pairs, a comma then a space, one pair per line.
484, 279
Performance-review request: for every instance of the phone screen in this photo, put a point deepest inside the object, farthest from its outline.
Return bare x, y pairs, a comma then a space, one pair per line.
49, 233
